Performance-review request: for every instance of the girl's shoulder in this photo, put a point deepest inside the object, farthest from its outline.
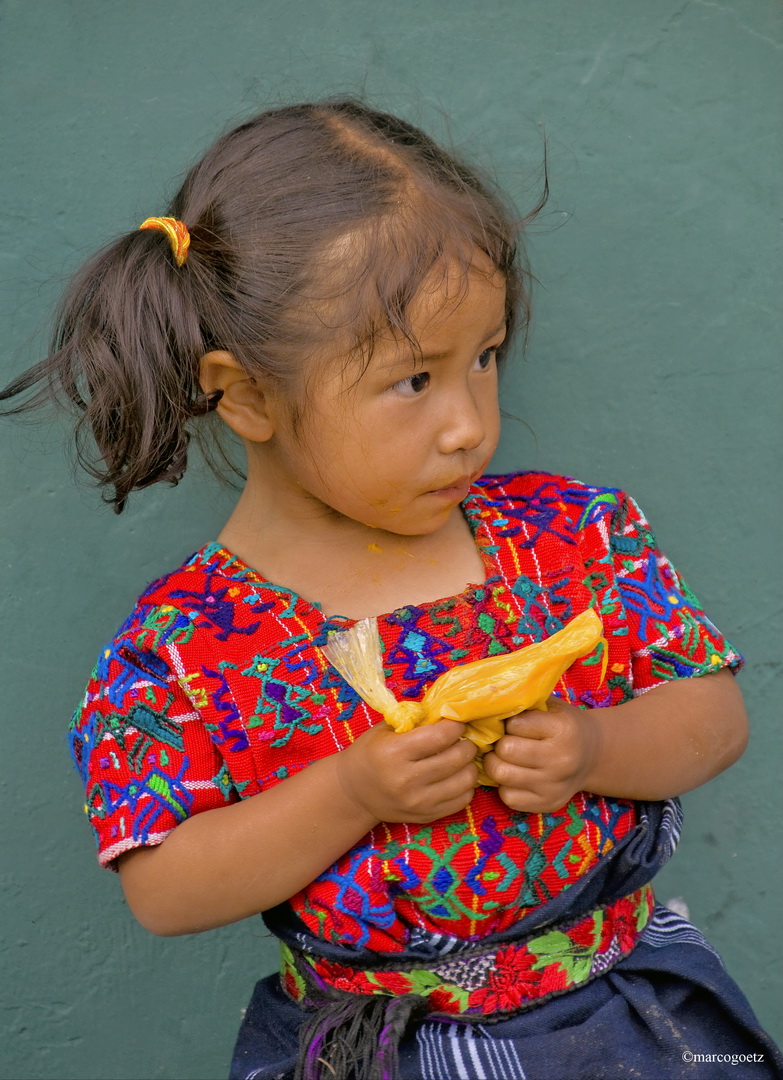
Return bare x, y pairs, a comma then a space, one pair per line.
535, 483
209, 575
204, 598
553, 503
208, 618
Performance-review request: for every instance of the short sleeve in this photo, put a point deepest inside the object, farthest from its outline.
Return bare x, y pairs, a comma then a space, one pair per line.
141, 747
670, 635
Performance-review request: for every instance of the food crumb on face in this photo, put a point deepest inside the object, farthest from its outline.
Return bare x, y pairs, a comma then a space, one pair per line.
373, 547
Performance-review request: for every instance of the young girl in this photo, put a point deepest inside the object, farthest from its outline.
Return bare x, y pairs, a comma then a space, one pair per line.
341, 293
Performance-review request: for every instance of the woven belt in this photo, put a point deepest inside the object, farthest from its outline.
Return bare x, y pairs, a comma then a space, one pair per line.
502, 979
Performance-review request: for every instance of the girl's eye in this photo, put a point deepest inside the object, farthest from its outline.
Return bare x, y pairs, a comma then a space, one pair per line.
414, 384
487, 358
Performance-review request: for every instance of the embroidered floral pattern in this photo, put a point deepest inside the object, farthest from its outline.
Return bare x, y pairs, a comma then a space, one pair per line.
500, 981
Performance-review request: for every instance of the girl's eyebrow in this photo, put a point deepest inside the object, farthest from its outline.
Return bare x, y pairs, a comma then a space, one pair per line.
502, 327
445, 352
408, 357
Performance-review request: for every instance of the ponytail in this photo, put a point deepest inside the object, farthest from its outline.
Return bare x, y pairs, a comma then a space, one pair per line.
125, 351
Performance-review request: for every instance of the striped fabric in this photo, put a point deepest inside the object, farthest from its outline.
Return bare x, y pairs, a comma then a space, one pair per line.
668, 928
451, 1052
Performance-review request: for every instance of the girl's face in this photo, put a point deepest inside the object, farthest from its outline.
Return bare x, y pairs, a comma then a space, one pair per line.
398, 447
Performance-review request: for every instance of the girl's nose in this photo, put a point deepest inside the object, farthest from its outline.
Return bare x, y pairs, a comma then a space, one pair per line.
464, 424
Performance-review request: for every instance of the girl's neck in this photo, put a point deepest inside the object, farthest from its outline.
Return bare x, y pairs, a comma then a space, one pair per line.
349, 568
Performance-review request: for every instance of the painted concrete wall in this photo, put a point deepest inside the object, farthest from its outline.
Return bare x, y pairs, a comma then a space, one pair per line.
654, 366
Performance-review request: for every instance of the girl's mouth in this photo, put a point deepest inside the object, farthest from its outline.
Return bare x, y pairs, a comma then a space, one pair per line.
457, 490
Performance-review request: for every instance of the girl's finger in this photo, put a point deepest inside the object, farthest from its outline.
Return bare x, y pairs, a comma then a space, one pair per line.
452, 761
526, 801
519, 750
533, 724
509, 774
457, 789
432, 739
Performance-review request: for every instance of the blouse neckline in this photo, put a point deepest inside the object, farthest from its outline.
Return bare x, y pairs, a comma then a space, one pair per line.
472, 507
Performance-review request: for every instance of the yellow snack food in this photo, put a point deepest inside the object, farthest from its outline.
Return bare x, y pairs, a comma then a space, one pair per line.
480, 694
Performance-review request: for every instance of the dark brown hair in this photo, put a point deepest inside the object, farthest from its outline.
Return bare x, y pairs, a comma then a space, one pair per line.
306, 222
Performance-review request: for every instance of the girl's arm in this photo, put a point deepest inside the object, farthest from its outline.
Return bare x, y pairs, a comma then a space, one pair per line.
669, 740
228, 863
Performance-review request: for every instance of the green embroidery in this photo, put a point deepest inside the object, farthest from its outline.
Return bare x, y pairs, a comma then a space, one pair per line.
557, 948
162, 621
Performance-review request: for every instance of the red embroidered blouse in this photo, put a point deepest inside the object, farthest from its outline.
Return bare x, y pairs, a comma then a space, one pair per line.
215, 688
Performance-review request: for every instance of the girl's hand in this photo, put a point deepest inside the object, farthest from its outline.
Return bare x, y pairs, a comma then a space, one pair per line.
544, 758
418, 776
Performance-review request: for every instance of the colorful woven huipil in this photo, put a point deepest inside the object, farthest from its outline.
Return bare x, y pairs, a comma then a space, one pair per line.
216, 688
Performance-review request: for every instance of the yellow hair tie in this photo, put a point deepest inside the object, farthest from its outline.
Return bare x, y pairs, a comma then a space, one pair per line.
177, 232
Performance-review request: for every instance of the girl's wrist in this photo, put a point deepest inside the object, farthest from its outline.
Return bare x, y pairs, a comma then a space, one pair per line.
595, 778
352, 806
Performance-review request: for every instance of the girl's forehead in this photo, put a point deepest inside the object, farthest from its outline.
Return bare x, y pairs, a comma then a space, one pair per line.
454, 288
352, 314
451, 279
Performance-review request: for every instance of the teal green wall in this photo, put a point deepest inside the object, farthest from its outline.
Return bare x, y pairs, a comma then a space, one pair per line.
654, 365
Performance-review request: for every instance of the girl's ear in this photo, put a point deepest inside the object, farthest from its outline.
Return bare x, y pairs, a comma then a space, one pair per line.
244, 405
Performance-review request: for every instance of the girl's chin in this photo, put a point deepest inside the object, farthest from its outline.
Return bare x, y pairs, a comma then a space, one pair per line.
412, 524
